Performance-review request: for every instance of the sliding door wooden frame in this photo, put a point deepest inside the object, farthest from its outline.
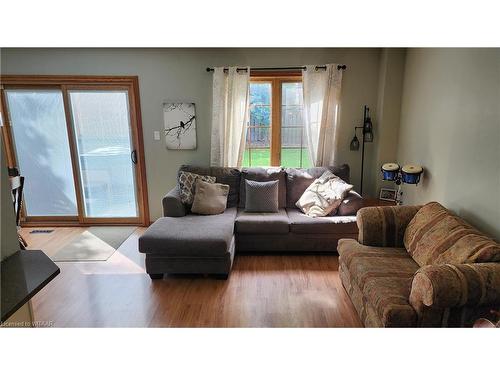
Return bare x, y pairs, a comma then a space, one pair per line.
6, 132
74, 154
276, 79
65, 83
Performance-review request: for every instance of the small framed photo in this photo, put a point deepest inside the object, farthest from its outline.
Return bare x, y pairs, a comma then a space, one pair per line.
387, 194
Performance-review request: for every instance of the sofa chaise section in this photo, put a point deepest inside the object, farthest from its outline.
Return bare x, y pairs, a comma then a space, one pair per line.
190, 244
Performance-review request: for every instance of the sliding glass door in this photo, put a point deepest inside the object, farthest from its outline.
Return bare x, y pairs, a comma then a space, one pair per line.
79, 148
106, 156
42, 150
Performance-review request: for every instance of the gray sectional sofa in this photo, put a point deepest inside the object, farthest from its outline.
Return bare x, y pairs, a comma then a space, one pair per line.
185, 243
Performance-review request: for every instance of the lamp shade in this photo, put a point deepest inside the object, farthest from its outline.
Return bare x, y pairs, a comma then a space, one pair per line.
354, 146
368, 130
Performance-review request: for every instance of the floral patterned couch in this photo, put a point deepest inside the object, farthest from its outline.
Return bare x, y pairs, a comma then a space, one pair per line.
419, 266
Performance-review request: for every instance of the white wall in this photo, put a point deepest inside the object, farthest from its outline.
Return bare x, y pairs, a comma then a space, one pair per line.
179, 74
450, 124
386, 130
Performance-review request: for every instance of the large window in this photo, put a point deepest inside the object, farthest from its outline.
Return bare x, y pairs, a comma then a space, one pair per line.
275, 134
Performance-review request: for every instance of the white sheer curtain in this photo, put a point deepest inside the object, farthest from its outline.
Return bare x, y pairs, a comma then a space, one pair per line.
229, 116
321, 112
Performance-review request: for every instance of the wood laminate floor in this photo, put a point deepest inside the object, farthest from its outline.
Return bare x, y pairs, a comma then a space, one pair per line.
262, 291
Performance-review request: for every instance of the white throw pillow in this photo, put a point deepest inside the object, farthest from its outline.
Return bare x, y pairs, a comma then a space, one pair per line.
324, 195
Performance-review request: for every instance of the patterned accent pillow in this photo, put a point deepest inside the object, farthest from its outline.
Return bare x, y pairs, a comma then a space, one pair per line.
261, 196
187, 185
436, 236
324, 195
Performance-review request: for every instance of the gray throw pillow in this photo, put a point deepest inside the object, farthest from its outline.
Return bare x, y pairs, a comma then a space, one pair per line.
261, 196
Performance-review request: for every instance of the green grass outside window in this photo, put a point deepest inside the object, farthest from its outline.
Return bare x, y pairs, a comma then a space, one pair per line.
290, 157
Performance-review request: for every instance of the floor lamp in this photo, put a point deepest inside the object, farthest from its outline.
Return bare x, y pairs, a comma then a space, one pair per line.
367, 136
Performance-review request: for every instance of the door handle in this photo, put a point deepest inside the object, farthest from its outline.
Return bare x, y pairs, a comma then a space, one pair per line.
133, 156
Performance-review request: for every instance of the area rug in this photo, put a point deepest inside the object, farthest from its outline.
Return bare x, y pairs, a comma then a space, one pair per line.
95, 244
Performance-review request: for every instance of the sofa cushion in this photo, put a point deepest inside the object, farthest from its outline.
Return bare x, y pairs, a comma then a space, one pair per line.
190, 235
383, 276
436, 236
261, 196
261, 174
223, 175
262, 223
299, 179
301, 223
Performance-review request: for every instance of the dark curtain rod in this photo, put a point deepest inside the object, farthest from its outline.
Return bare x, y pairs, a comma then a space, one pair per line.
339, 67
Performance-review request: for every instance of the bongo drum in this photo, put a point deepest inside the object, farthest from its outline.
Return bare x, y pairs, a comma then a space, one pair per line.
410, 174
390, 171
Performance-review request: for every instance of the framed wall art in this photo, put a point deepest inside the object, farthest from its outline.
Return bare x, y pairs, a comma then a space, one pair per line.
180, 126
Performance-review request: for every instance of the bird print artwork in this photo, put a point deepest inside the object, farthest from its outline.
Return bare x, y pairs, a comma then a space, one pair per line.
180, 126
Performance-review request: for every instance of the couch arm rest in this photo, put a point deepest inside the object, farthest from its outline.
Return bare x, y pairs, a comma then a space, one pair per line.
172, 205
446, 285
384, 226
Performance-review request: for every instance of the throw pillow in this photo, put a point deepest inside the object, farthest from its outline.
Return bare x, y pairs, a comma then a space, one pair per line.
261, 196
223, 175
187, 185
350, 205
264, 174
324, 195
299, 179
436, 236
209, 198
